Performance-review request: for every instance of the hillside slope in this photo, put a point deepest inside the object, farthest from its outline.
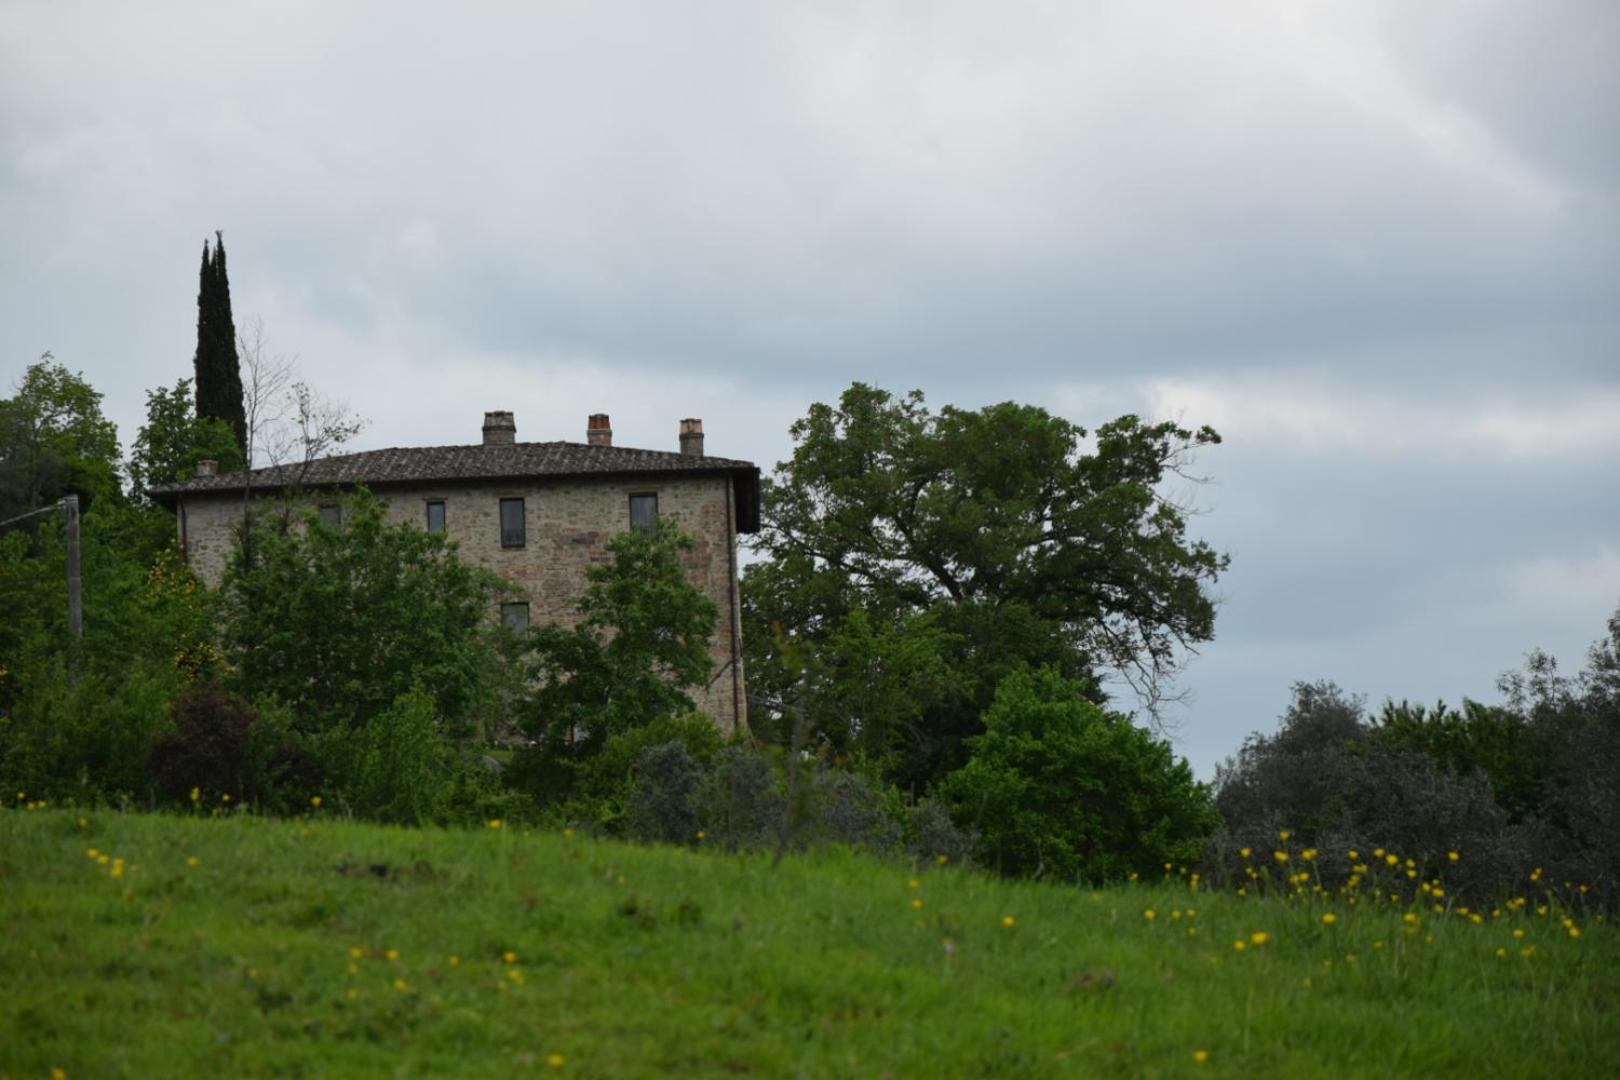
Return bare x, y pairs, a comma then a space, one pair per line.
149, 945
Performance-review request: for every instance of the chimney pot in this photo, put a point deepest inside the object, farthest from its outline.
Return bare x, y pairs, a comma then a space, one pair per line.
598, 430
207, 467
499, 429
692, 437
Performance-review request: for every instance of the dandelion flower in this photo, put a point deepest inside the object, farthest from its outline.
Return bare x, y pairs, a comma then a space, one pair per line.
1240, 945
556, 1061
455, 961
916, 903
509, 956
1200, 1056
1453, 856
193, 862
1328, 918
1008, 921
1150, 914
494, 823
356, 951
913, 884
392, 954
315, 801
1259, 937
1245, 852
1392, 859
942, 859
401, 985
1280, 856
1284, 835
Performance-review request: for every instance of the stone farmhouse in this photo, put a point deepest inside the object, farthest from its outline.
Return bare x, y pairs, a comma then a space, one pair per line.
539, 514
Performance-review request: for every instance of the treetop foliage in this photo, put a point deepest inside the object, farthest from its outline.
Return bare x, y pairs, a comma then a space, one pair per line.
217, 365
1012, 535
54, 440
174, 438
338, 623
641, 644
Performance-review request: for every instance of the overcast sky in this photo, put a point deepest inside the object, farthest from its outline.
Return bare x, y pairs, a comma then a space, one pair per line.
1376, 245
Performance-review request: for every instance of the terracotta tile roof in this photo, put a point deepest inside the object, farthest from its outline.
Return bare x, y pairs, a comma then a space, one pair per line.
513, 461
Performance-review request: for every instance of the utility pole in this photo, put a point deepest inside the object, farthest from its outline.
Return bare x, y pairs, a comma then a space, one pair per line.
70, 506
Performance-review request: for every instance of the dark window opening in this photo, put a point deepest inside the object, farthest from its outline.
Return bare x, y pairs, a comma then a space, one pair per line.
332, 515
515, 616
644, 513
512, 533
435, 516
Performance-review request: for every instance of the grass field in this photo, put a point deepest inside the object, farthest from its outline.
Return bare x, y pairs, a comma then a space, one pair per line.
145, 945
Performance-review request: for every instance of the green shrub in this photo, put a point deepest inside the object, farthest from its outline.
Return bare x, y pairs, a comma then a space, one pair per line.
596, 786
663, 804
84, 738
1056, 787
743, 802
402, 768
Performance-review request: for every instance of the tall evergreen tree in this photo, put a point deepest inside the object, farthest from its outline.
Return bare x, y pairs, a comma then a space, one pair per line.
219, 371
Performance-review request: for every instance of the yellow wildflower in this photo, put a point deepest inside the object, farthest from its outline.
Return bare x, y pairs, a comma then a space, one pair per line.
556, 1061
1200, 1056
1328, 918
1259, 937
1008, 921
1150, 914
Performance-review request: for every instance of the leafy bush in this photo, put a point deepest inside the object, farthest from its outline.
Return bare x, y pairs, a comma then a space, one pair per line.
404, 769
339, 623
640, 646
930, 834
1057, 787
221, 745
743, 801
664, 801
846, 808
597, 785
84, 737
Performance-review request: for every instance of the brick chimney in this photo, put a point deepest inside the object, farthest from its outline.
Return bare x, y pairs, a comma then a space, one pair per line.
499, 429
598, 430
692, 437
207, 467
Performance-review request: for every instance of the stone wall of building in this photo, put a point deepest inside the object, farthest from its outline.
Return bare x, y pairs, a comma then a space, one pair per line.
568, 523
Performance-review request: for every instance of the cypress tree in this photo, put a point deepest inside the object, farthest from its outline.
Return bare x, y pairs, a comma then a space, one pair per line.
219, 371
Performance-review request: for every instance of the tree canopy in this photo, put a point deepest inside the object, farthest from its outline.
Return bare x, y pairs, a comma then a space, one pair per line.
218, 367
174, 438
54, 440
1003, 531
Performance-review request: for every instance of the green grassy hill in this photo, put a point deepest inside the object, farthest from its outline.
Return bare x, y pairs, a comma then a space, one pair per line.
147, 945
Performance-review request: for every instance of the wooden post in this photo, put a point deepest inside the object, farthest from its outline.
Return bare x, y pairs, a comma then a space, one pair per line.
70, 504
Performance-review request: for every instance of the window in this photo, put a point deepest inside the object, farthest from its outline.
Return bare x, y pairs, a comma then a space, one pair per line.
435, 515
512, 534
644, 512
515, 617
332, 515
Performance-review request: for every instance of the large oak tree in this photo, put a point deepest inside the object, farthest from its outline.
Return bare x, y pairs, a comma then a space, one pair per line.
912, 559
